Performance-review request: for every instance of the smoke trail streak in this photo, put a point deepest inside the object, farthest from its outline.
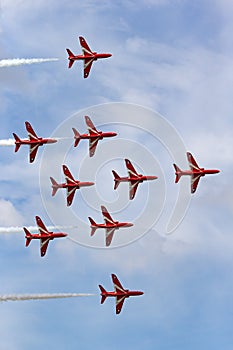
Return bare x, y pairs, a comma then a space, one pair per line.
23, 297
9, 142
21, 61
31, 228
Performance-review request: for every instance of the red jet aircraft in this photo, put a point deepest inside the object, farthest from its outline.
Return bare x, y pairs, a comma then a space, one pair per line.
44, 235
94, 136
33, 141
134, 179
88, 56
195, 172
71, 185
120, 293
110, 225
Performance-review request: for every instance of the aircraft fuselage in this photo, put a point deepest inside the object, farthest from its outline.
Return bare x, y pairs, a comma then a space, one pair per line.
200, 172
95, 56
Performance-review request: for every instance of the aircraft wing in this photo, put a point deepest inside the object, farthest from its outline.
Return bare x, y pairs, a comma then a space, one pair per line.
119, 303
43, 246
192, 163
31, 133
41, 227
107, 217
87, 66
85, 48
70, 195
117, 284
68, 176
109, 235
92, 146
90, 126
133, 185
131, 171
194, 182
33, 151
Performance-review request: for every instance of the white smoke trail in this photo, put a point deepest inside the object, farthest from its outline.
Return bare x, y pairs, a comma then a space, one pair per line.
9, 142
18, 229
22, 297
21, 61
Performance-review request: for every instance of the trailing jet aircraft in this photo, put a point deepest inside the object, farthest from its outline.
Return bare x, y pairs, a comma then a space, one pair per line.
110, 225
44, 235
33, 141
88, 56
71, 185
134, 179
195, 172
94, 136
120, 293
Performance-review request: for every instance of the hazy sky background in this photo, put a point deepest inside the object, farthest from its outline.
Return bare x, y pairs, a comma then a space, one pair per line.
171, 57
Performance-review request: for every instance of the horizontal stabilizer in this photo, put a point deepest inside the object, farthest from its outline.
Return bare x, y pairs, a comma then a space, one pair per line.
116, 179
93, 226
55, 186
178, 173
17, 142
70, 53
102, 291
28, 236
76, 137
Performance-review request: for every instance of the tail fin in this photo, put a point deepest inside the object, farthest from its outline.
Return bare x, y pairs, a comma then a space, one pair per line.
103, 296
71, 55
55, 186
178, 173
93, 225
116, 179
17, 142
76, 137
28, 236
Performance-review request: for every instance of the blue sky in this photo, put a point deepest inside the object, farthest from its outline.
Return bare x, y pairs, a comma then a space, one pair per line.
169, 57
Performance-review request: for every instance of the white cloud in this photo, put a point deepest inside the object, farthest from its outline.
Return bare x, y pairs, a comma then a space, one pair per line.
9, 214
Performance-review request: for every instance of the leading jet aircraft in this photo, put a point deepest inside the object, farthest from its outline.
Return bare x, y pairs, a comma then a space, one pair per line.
88, 56
33, 141
44, 235
195, 172
110, 225
71, 185
134, 179
93, 136
119, 293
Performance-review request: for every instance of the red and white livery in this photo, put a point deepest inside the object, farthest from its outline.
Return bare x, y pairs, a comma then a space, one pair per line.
119, 293
110, 225
33, 141
44, 236
195, 172
134, 179
71, 185
88, 56
94, 136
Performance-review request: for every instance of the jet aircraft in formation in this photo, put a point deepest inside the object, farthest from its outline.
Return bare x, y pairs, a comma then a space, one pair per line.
88, 56
44, 236
119, 293
134, 179
71, 185
195, 172
93, 136
33, 141
110, 225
